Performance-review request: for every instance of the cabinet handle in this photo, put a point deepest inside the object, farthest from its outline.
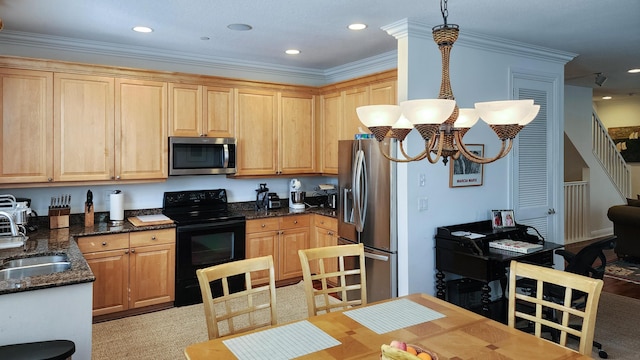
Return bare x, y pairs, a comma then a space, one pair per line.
50, 179
133, 250
330, 233
263, 225
153, 237
104, 243
126, 251
118, 177
295, 221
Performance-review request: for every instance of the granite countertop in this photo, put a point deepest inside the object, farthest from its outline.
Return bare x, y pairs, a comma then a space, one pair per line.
59, 241
286, 211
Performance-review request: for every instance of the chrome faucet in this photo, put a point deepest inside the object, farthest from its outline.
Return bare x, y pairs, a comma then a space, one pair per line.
12, 223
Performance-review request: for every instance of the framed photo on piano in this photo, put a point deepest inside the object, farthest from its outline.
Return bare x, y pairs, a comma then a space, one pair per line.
502, 219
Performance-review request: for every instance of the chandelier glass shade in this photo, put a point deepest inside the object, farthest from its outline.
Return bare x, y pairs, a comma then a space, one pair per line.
440, 122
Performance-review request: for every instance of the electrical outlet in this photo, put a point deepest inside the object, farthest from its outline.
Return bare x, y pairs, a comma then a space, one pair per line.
423, 204
423, 180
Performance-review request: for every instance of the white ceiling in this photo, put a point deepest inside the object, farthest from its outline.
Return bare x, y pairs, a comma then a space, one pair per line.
605, 34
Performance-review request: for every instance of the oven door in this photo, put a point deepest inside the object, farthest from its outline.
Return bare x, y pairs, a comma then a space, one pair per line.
202, 245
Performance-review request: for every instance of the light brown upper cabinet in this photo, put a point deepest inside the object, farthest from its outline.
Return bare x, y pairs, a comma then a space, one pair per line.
275, 132
257, 135
339, 120
26, 126
200, 110
297, 139
141, 130
84, 147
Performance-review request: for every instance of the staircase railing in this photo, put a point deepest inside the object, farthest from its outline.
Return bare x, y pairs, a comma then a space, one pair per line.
604, 149
576, 206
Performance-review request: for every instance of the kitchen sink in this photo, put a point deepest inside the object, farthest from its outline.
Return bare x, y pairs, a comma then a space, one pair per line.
16, 273
35, 260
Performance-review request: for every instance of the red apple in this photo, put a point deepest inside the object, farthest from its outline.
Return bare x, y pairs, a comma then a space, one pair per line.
399, 345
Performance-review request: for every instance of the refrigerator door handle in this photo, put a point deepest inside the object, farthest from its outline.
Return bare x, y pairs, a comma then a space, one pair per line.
360, 190
376, 256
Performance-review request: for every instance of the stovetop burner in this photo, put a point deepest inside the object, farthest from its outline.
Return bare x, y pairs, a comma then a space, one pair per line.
198, 206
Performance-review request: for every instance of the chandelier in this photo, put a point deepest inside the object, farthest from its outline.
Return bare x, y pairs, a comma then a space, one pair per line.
440, 122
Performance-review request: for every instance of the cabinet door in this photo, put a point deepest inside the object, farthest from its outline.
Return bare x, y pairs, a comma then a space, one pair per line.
290, 242
384, 93
141, 129
297, 150
26, 126
83, 127
185, 110
257, 135
152, 279
351, 125
218, 112
111, 288
332, 105
326, 234
261, 244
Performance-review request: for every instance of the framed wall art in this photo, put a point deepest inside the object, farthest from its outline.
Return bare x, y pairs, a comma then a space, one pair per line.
464, 172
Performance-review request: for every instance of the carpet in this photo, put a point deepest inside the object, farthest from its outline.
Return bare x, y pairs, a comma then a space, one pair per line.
623, 270
164, 334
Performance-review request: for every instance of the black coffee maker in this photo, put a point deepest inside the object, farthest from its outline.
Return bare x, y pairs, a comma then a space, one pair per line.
262, 197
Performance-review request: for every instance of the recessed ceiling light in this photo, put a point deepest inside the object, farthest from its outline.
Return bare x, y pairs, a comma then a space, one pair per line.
292, 52
239, 27
606, 98
142, 29
634, 71
357, 26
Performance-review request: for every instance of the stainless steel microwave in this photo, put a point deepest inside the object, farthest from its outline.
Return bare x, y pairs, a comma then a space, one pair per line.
201, 155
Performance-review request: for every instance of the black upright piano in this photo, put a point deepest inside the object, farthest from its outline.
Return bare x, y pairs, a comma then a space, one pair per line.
464, 250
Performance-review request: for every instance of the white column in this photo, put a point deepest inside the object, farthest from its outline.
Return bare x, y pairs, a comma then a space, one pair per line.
419, 71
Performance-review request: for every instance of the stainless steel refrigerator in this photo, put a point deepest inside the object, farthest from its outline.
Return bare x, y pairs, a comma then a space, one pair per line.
367, 212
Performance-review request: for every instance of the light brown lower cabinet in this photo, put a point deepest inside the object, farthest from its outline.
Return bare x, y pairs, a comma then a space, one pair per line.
132, 270
325, 234
280, 237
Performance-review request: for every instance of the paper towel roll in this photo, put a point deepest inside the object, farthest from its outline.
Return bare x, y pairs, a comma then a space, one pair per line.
117, 206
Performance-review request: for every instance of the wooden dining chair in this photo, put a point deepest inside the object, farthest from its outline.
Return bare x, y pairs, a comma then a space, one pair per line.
551, 303
243, 310
339, 271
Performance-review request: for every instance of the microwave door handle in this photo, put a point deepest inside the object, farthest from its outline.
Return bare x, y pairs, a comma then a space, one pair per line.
225, 150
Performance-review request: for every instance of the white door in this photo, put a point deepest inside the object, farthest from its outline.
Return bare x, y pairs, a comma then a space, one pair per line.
538, 160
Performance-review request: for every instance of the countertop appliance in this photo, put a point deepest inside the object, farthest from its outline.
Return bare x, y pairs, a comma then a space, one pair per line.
296, 196
262, 200
367, 212
274, 201
207, 234
201, 155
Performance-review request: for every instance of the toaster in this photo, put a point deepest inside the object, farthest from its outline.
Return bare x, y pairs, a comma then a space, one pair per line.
274, 201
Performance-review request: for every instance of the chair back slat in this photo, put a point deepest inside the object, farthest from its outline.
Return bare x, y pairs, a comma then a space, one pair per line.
334, 277
241, 305
552, 302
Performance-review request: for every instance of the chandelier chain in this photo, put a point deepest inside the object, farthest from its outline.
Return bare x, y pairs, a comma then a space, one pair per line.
444, 11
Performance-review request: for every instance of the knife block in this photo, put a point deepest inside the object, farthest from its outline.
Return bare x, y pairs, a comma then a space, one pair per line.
88, 215
59, 217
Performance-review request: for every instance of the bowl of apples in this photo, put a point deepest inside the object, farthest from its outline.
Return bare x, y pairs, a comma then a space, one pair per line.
399, 350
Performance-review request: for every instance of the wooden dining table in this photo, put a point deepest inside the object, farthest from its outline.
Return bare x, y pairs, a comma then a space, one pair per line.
452, 332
